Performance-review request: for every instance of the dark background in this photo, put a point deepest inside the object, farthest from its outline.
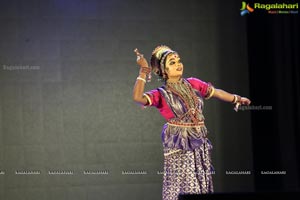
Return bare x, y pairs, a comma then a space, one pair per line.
74, 111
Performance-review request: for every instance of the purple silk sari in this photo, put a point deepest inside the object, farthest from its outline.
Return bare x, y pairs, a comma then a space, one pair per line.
187, 151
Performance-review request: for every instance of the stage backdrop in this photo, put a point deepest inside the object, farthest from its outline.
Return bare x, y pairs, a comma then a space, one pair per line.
69, 128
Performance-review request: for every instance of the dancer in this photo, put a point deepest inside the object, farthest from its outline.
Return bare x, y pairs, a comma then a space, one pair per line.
187, 150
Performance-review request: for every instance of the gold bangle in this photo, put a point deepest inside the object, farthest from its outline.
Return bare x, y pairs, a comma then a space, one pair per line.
148, 98
237, 99
142, 79
211, 93
145, 70
234, 99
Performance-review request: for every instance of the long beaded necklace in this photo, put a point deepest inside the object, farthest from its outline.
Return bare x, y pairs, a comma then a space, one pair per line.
185, 92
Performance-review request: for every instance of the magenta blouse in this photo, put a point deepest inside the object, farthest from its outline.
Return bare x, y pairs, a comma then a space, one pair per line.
156, 99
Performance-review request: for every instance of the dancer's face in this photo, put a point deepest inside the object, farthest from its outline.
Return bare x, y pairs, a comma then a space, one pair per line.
174, 66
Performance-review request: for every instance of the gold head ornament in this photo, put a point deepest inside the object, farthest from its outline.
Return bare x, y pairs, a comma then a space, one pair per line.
159, 50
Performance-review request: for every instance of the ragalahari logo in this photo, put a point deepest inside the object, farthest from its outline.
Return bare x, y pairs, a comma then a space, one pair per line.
246, 9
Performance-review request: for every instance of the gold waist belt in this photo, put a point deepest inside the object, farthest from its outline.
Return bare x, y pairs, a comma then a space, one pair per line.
183, 124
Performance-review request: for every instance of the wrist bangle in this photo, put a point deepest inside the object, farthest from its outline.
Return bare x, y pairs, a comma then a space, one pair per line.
234, 99
239, 99
142, 74
142, 79
145, 70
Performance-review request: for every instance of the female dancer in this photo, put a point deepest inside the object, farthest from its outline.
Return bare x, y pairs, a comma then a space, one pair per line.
187, 150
